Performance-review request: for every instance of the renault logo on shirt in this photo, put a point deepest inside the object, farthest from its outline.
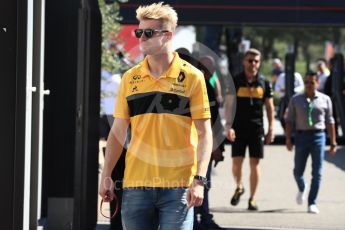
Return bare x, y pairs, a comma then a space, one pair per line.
136, 77
181, 77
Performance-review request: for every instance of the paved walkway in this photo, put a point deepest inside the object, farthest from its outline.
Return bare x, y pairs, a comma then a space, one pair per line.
276, 195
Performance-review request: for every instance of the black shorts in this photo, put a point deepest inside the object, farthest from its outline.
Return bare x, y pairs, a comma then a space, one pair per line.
255, 144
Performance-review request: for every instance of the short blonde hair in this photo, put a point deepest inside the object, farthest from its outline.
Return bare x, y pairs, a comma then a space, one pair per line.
165, 13
252, 51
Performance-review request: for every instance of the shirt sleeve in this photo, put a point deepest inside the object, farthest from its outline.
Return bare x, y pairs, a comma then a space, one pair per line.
199, 103
121, 105
268, 90
291, 115
329, 119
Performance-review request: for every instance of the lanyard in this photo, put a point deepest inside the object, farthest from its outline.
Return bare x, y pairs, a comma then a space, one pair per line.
310, 111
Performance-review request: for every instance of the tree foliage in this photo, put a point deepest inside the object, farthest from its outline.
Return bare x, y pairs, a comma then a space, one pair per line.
302, 38
111, 61
110, 26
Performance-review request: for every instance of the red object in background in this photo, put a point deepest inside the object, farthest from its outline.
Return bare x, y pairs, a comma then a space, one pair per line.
127, 43
329, 50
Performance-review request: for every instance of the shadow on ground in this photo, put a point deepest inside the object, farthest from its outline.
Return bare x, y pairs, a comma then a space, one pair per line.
231, 210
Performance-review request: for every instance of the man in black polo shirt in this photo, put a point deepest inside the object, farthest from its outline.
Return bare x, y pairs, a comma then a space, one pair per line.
252, 92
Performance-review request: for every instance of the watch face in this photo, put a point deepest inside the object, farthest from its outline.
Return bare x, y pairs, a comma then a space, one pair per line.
201, 179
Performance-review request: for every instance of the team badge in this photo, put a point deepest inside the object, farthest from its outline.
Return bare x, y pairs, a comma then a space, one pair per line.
181, 77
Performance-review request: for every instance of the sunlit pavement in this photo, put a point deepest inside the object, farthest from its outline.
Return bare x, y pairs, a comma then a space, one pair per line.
276, 194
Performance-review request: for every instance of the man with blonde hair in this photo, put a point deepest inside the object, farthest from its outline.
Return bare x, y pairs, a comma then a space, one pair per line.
164, 99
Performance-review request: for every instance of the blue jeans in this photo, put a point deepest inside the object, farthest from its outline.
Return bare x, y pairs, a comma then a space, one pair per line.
313, 144
150, 208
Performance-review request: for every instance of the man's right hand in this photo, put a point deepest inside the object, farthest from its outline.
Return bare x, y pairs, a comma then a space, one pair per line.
231, 135
289, 144
195, 194
106, 189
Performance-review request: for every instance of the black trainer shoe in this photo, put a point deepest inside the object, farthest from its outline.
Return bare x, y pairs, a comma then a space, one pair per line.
199, 226
212, 225
252, 205
236, 197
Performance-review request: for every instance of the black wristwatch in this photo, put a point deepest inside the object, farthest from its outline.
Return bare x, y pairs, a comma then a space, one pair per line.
333, 145
201, 179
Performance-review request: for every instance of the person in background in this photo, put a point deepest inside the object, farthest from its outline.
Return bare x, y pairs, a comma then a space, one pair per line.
207, 65
225, 77
277, 69
322, 74
164, 99
329, 92
311, 113
252, 93
215, 83
109, 90
280, 89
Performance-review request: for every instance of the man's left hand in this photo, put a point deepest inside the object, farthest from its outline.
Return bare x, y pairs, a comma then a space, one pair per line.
332, 150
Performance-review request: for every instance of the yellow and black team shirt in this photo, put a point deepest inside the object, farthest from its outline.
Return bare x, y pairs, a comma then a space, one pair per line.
162, 150
249, 105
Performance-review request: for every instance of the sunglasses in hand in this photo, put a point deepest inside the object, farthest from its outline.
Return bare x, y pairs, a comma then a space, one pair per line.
148, 32
110, 199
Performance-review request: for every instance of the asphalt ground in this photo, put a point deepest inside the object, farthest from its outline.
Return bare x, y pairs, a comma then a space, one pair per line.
276, 194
